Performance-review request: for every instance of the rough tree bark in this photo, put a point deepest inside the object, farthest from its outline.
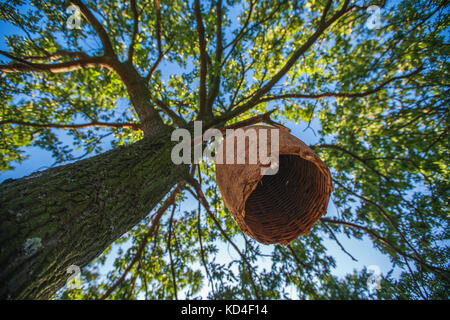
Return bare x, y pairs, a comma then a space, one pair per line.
68, 215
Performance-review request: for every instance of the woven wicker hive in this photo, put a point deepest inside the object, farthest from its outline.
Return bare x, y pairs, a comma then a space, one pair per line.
275, 208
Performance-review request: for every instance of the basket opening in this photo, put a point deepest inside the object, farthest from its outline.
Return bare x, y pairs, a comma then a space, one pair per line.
278, 207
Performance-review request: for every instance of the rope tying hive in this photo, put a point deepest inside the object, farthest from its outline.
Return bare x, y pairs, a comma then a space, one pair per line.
275, 208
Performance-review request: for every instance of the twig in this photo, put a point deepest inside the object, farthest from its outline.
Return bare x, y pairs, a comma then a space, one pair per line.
199, 230
179, 121
339, 94
339, 244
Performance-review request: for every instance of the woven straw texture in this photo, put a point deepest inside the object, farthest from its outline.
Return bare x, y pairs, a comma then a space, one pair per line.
275, 208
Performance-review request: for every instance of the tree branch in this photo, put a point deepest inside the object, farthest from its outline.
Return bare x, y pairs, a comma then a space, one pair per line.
243, 70
170, 253
339, 94
215, 81
179, 121
413, 164
135, 29
339, 148
338, 242
364, 161
158, 39
299, 262
413, 277
21, 65
135, 126
265, 118
325, 11
133, 281
202, 253
242, 31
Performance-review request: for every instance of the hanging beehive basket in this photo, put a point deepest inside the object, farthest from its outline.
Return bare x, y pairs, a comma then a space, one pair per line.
275, 208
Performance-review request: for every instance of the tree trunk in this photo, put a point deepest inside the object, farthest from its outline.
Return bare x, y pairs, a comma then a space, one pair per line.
69, 215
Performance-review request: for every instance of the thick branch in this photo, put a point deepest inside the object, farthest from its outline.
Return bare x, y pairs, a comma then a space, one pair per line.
141, 98
243, 29
299, 262
215, 81
265, 118
21, 65
60, 54
158, 39
325, 11
338, 242
179, 121
169, 242
339, 94
135, 29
